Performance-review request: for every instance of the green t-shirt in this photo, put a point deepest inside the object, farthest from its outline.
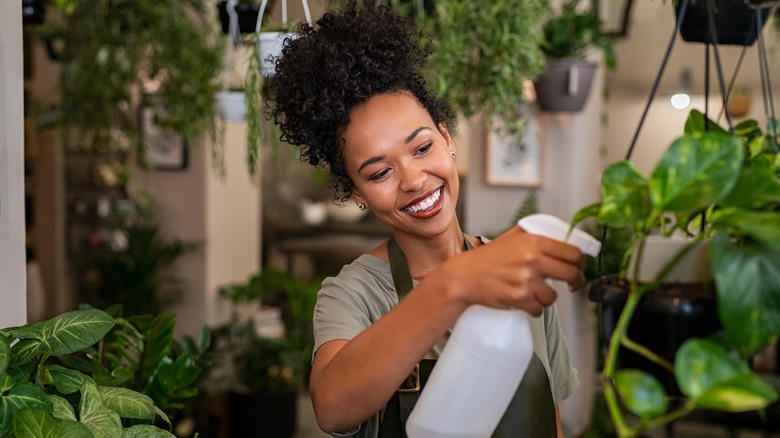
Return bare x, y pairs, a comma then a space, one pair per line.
363, 292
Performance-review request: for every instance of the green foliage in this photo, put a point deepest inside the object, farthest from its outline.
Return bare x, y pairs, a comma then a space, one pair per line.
39, 398
570, 33
483, 53
111, 50
262, 363
724, 188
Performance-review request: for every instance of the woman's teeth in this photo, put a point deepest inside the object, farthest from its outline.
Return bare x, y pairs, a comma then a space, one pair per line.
424, 204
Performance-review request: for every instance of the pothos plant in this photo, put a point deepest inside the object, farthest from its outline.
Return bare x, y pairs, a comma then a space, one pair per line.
716, 186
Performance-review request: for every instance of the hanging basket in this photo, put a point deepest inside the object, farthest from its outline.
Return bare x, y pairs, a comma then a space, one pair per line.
247, 16
565, 85
736, 22
231, 105
271, 43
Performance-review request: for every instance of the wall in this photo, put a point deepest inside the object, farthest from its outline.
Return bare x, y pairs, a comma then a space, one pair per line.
12, 251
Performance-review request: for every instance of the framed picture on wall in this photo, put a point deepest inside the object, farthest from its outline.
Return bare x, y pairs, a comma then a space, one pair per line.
513, 160
164, 149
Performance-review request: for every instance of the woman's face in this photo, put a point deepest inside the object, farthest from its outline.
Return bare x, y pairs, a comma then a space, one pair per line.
401, 164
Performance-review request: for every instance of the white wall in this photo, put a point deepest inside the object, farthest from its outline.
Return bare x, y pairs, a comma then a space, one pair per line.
13, 310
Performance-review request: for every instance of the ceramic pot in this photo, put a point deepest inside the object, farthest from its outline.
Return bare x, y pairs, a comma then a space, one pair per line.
564, 85
736, 23
231, 105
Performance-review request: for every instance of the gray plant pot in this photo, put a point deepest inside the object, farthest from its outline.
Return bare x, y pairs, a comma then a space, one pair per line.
565, 85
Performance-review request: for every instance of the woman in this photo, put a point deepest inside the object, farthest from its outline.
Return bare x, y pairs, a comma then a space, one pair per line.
350, 93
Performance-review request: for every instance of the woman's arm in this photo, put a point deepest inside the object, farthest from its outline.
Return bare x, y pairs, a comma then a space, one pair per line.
352, 380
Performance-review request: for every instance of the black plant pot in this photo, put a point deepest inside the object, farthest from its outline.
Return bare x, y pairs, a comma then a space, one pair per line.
564, 85
264, 414
247, 16
663, 320
736, 23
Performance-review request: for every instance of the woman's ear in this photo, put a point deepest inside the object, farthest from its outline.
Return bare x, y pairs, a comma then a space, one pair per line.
355, 196
447, 137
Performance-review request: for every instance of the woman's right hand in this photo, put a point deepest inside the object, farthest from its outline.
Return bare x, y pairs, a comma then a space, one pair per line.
510, 271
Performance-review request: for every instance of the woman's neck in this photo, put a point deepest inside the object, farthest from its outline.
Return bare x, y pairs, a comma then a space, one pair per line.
425, 254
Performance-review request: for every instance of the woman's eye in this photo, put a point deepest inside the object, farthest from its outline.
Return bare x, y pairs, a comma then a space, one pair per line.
425, 148
379, 175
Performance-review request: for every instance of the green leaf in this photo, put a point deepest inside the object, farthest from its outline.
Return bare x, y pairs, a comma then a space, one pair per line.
696, 123
128, 403
762, 226
36, 423
626, 197
24, 351
146, 431
158, 340
66, 380
101, 420
744, 392
6, 382
163, 416
586, 212
5, 352
181, 373
642, 393
27, 395
696, 171
62, 408
748, 280
757, 186
68, 332
701, 363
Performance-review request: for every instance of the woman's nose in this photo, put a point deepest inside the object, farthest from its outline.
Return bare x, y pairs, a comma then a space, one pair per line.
412, 178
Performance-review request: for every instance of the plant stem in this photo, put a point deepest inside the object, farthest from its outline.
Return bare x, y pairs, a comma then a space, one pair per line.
686, 409
647, 353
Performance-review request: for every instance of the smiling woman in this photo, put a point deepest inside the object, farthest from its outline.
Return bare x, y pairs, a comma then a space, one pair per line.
350, 92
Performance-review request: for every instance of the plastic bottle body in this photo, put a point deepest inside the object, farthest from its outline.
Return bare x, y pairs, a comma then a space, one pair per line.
476, 376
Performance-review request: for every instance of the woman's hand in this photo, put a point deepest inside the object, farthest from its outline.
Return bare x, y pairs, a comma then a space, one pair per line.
510, 272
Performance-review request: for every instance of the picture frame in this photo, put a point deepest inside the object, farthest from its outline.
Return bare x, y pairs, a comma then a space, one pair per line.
163, 148
513, 160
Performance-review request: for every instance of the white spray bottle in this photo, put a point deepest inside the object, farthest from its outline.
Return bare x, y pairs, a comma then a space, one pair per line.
485, 358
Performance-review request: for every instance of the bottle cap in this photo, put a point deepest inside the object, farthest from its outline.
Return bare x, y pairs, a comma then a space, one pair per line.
553, 227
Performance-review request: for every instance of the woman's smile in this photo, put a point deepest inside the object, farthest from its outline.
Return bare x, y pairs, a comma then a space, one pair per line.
426, 207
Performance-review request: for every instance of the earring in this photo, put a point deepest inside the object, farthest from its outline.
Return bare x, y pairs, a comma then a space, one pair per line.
453, 154
362, 206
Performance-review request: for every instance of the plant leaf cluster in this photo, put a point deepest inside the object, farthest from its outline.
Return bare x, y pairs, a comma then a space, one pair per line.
112, 50
571, 32
723, 188
262, 363
39, 397
483, 53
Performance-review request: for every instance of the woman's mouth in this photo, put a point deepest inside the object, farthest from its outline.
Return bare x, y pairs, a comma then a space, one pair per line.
425, 205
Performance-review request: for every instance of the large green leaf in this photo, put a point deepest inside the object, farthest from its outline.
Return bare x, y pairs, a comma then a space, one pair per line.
146, 431
6, 382
745, 392
756, 187
36, 423
27, 395
66, 380
62, 408
128, 403
178, 374
701, 363
158, 340
762, 226
101, 420
748, 284
626, 196
5, 352
696, 123
24, 351
68, 332
642, 393
697, 170
591, 210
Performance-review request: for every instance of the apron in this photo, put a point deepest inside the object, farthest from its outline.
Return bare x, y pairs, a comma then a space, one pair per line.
531, 413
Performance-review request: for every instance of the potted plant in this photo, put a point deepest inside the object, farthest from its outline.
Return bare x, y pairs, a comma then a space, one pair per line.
484, 53
41, 395
566, 81
268, 343
737, 22
721, 191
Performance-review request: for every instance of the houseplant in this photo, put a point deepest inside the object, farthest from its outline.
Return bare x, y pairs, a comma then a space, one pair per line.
715, 188
268, 344
484, 52
568, 35
736, 22
40, 397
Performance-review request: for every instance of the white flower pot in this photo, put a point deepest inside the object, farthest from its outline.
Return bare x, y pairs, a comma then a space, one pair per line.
271, 44
231, 105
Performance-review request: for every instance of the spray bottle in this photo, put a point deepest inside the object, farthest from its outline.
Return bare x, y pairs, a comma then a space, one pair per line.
485, 358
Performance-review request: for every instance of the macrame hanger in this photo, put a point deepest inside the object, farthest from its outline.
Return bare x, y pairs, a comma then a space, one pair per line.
264, 3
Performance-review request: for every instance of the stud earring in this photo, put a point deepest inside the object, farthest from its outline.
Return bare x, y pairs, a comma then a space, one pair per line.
453, 154
362, 206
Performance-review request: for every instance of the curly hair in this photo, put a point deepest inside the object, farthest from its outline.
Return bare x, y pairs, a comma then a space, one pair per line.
351, 54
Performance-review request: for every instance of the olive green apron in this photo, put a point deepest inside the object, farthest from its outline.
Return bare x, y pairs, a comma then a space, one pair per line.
531, 413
